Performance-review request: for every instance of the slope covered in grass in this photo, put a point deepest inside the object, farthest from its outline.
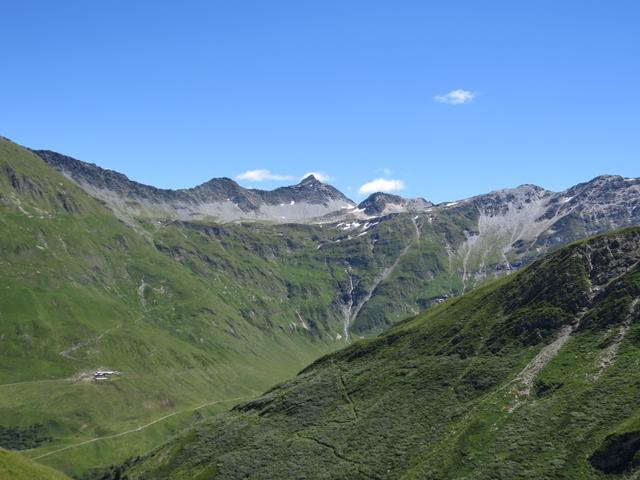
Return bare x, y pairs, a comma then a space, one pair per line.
193, 316
80, 291
16, 467
531, 376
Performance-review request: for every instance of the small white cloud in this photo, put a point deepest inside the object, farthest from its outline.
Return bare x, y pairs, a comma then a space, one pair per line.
323, 177
261, 175
381, 185
385, 171
455, 97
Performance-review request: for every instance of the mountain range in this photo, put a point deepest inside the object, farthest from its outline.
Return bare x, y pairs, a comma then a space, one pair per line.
311, 201
202, 297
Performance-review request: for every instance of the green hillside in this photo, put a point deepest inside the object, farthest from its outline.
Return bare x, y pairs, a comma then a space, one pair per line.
531, 376
16, 467
193, 316
81, 291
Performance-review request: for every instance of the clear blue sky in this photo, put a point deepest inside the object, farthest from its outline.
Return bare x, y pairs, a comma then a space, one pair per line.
174, 93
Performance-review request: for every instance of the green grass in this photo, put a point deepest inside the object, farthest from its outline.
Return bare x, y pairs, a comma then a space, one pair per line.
70, 282
225, 311
16, 467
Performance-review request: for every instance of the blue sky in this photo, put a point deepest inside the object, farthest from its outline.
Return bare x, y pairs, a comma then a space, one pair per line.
175, 93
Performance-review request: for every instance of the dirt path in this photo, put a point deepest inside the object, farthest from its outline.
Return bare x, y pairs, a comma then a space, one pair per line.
137, 429
67, 353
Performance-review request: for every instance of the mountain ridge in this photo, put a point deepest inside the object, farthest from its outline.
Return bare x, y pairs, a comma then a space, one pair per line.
221, 198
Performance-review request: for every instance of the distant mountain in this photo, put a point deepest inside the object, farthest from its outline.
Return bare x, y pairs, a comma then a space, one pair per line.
527, 211
220, 199
533, 376
379, 203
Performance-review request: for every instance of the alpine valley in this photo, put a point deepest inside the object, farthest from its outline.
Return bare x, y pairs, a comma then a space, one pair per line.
140, 327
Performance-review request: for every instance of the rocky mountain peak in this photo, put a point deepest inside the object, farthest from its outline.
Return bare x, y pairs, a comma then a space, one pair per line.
309, 190
380, 203
310, 180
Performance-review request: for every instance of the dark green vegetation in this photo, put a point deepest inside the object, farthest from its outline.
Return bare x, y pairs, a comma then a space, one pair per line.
23, 439
528, 376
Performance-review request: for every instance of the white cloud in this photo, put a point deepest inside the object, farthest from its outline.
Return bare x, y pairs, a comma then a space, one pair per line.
385, 171
323, 177
261, 175
381, 185
455, 97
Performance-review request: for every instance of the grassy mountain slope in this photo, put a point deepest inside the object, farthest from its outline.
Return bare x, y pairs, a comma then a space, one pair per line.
16, 467
531, 376
82, 291
194, 316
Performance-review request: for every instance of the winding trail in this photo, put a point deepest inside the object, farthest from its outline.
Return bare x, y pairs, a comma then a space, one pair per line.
67, 353
137, 429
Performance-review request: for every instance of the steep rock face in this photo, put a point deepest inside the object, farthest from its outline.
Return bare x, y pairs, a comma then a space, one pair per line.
220, 199
603, 203
606, 202
525, 377
515, 225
